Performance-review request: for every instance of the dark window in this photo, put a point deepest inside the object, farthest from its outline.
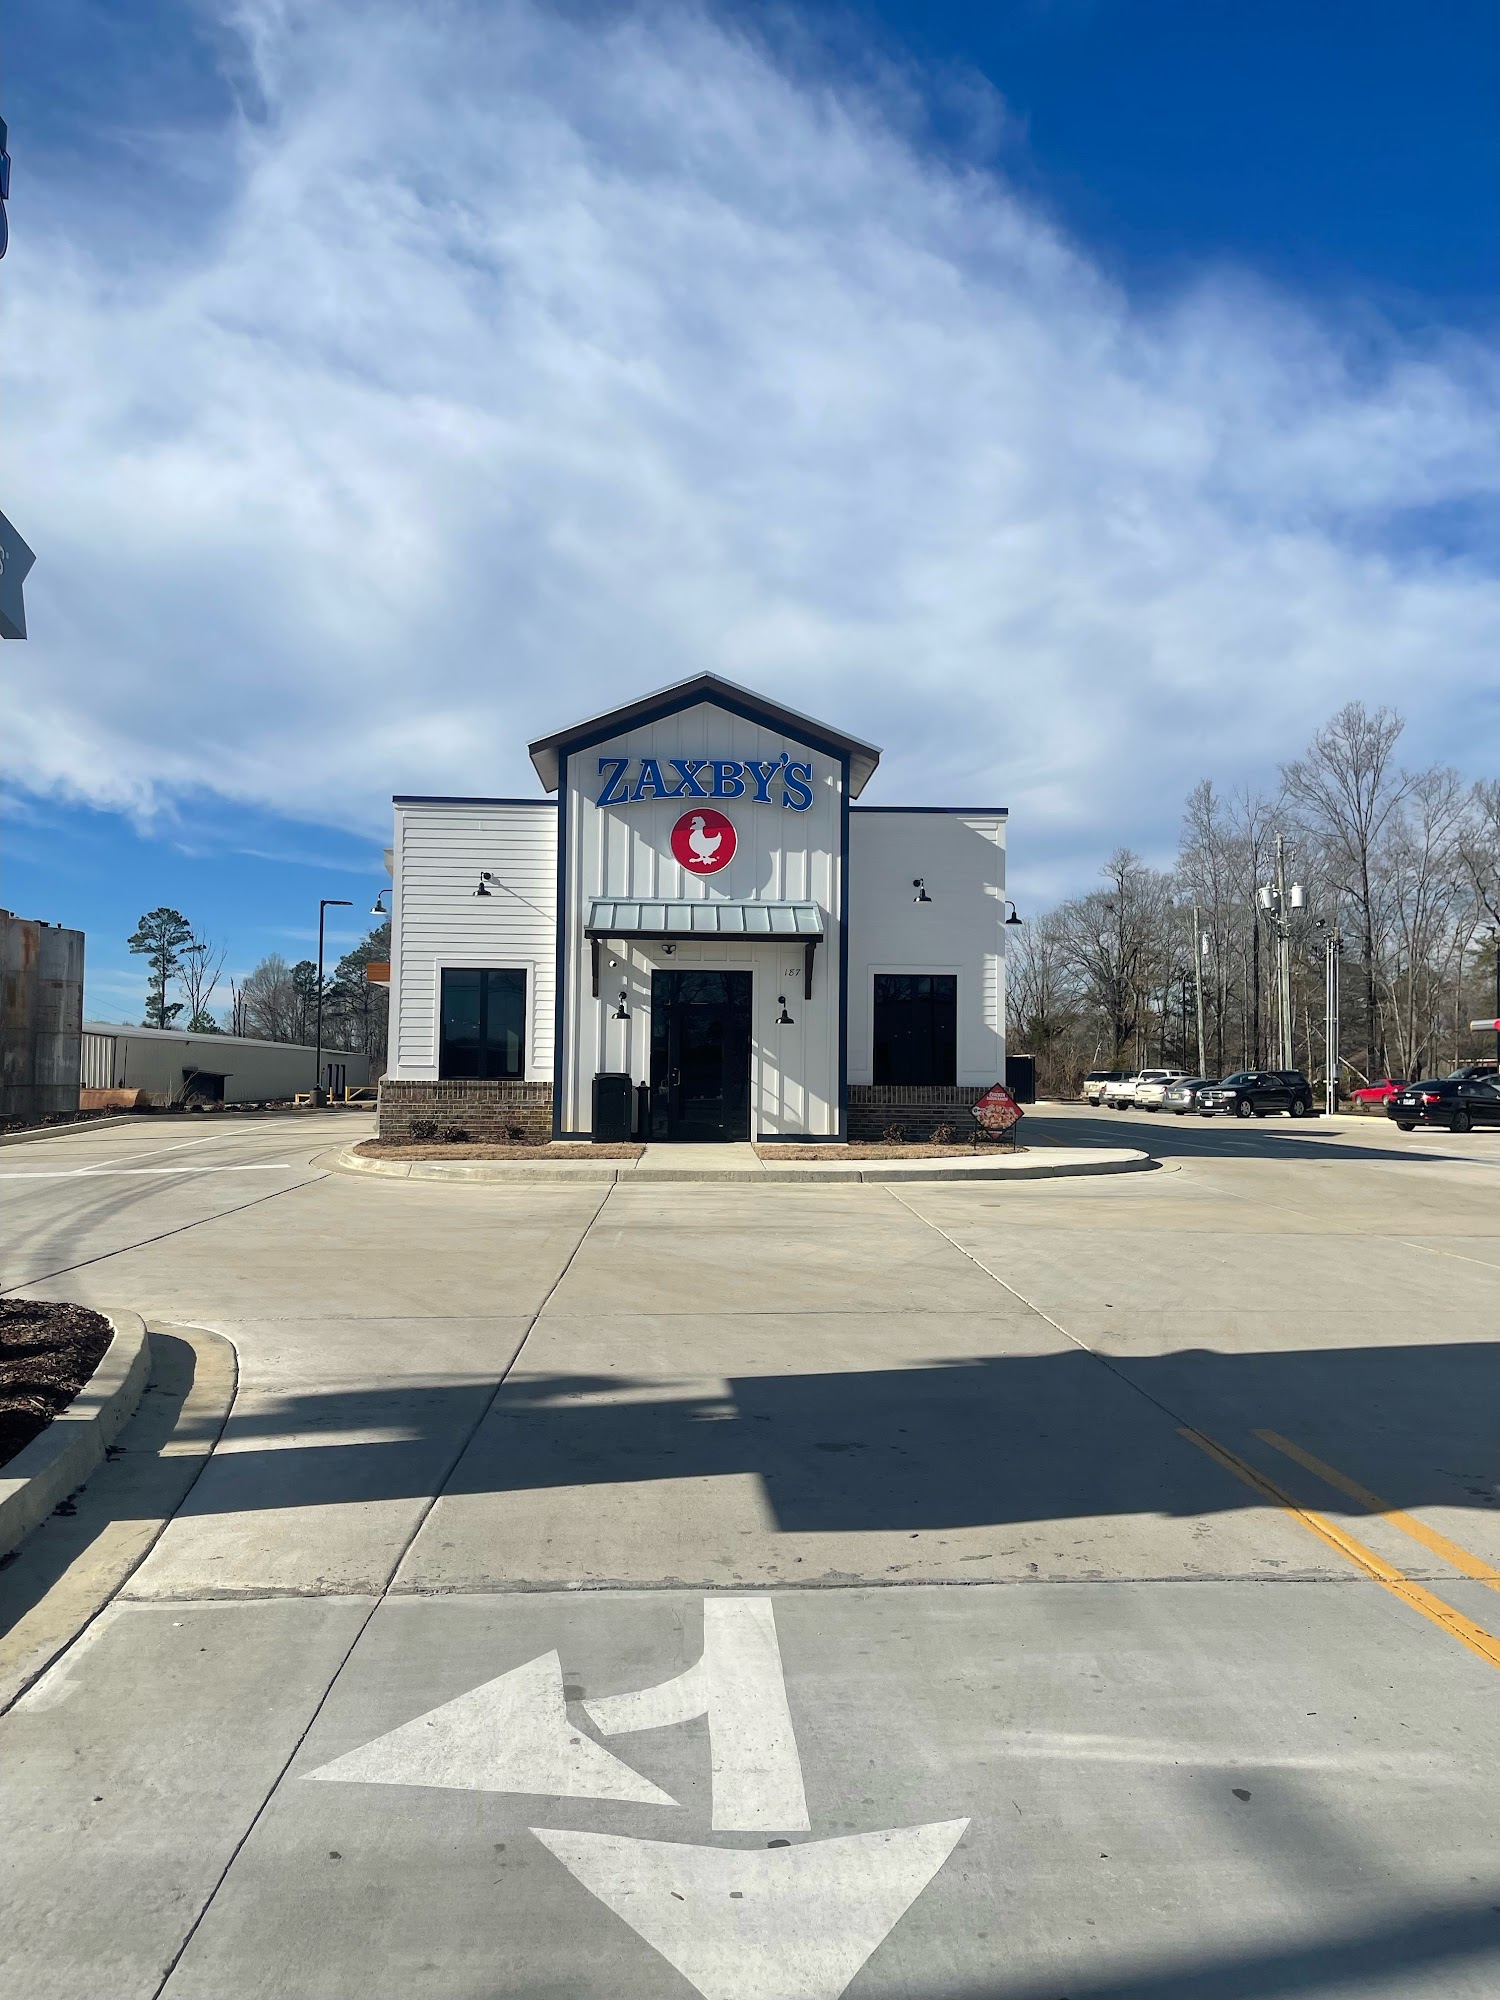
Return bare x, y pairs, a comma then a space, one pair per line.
484, 1024
916, 1027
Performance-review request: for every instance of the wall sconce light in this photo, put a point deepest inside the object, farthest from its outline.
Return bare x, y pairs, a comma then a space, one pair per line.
1015, 916
622, 1012
482, 890
783, 1019
921, 888
667, 950
375, 909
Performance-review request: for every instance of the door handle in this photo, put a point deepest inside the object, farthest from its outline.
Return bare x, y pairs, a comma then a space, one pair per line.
676, 1079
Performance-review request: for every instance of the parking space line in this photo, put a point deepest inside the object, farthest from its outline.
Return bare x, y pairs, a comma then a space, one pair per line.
77, 1173
1439, 1545
1479, 1642
105, 1173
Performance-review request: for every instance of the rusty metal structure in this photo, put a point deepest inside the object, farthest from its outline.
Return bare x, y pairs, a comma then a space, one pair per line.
41, 1020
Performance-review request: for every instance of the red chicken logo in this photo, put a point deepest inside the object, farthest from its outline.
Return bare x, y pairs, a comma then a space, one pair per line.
703, 841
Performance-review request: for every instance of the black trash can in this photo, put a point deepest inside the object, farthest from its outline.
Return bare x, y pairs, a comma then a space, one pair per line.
1020, 1078
614, 1098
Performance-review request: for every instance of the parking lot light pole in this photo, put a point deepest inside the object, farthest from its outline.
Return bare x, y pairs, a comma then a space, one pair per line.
324, 903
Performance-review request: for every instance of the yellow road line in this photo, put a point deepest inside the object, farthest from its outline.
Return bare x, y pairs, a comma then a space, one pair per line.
1467, 1633
1419, 1531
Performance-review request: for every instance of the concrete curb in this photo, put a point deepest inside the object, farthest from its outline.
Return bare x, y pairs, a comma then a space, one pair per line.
511, 1173
67, 1451
81, 1125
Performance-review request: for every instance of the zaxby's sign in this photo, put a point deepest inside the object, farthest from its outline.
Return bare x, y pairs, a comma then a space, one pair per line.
777, 781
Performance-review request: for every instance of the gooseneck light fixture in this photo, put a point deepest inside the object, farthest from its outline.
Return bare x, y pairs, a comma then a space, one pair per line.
783, 1019
375, 909
1015, 916
622, 1012
921, 888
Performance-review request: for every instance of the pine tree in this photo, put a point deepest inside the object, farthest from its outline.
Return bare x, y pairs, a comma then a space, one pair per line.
159, 938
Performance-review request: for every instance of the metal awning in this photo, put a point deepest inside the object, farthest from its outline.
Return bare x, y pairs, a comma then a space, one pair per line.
668, 919
676, 917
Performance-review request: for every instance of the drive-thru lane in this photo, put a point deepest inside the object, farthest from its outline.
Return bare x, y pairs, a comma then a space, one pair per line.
770, 1591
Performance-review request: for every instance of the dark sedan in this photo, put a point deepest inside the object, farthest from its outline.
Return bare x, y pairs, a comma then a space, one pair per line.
1254, 1093
1460, 1103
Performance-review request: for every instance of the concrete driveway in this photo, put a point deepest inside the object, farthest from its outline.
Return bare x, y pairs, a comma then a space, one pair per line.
1029, 1592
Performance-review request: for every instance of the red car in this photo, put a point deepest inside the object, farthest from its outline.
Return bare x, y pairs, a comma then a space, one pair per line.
1376, 1093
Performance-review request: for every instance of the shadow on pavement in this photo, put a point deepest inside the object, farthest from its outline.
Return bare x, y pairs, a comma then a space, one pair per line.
1381, 1959
961, 1444
1165, 1137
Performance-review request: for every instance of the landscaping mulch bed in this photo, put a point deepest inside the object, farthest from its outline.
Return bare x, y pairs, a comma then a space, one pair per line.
47, 1353
479, 1149
878, 1149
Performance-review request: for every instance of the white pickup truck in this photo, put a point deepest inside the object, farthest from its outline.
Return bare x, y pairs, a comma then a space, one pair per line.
1145, 1090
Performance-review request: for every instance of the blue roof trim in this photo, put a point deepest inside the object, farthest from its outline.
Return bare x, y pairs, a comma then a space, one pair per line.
764, 718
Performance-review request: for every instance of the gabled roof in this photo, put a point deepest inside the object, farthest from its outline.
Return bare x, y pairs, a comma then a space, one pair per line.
548, 751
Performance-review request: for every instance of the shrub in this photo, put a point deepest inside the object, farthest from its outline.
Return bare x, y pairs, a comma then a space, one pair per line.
894, 1135
455, 1135
423, 1131
943, 1135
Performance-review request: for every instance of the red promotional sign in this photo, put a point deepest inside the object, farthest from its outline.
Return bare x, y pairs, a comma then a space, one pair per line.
703, 841
997, 1110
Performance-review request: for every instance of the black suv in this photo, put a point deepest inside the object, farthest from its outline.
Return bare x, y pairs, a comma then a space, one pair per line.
1252, 1093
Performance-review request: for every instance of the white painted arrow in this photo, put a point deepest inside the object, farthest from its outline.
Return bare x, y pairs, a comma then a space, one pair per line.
784, 1923
510, 1735
739, 1685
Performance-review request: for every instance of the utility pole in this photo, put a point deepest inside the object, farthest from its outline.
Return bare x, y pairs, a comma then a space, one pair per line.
1200, 945
1333, 948
1278, 902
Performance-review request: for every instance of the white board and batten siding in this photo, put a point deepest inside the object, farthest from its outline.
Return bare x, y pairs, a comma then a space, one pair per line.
780, 855
960, 859
442, 848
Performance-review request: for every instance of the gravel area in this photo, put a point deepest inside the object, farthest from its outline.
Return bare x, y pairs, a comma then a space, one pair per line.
47, 1353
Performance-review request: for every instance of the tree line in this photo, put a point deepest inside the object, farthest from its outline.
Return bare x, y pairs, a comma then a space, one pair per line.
1400, 868
276, 1002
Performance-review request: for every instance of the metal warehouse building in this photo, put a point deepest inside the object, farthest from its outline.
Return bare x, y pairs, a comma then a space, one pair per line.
174, 1067
701, 926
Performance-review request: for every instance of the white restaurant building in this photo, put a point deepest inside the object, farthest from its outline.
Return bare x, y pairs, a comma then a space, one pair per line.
704, 918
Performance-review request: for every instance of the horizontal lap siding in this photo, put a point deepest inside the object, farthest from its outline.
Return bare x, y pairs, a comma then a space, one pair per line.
441, 851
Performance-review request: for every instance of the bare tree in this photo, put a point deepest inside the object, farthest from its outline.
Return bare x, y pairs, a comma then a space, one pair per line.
1479, 845
202, 962
1348, 787
273, 1004
1041, 997
1425, 892
1116, 940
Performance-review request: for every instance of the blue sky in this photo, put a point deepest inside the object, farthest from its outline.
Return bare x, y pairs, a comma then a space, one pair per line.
1078, 398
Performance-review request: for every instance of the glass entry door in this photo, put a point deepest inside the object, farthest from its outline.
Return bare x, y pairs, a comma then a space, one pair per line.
700, 1055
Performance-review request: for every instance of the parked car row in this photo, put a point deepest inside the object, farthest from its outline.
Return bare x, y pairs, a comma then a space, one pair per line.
1468, 1096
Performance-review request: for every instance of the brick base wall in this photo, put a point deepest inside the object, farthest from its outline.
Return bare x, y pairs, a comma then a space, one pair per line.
917, 1108
411, 1111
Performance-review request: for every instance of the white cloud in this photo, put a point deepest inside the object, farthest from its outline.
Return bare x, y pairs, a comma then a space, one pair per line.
537, 361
